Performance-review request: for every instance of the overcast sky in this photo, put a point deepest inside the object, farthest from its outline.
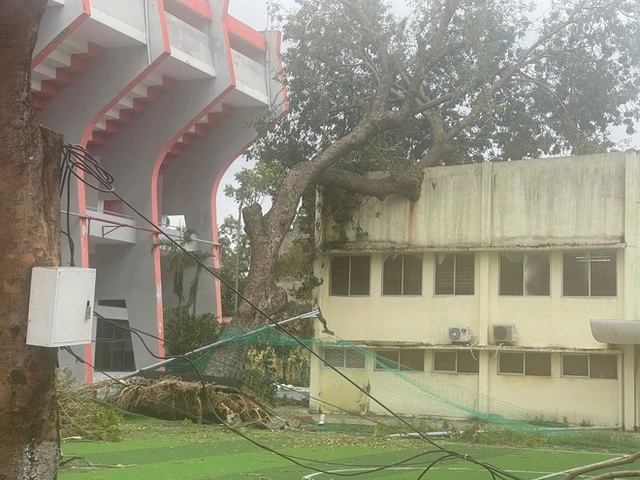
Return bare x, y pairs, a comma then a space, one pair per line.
254, 13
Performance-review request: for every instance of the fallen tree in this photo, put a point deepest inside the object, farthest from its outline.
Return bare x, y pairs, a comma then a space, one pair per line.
457, 81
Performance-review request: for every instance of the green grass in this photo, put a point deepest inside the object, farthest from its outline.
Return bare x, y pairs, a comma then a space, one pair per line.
161, 450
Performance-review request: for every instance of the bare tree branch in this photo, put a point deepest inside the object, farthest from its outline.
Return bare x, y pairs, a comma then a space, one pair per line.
626, 460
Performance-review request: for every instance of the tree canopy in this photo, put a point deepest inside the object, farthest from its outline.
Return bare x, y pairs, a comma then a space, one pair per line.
457, 81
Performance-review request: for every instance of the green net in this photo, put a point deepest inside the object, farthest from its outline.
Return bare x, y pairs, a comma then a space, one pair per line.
276, 369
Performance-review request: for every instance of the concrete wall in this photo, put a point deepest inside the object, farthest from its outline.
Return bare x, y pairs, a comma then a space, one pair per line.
130, 13
532, 203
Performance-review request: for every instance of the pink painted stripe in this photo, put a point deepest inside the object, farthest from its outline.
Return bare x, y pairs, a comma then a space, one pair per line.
246, 33
227, 42
214, 218
201, 7
164, 27
82, 201
63, 35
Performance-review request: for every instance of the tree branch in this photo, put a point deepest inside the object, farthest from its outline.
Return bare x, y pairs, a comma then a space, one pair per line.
510, 72
626, 460
425, 57
406, 183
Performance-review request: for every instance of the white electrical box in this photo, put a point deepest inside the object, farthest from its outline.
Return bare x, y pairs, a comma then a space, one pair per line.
61, 306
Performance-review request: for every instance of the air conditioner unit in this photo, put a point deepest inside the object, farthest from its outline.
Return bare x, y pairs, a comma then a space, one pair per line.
459, 334
504, 333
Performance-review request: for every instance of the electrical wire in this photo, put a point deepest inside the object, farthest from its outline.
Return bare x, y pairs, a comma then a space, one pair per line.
291, 458
367, 469
76, 157
79, 162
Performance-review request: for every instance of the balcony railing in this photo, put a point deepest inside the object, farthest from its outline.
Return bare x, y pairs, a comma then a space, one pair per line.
110, 227
251, 76
190, 45
124, 16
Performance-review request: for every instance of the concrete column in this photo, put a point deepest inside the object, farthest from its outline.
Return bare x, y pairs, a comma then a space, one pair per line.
314, 380
628, 288
486, 368
555, 260
629, 279
484, 288
627, 381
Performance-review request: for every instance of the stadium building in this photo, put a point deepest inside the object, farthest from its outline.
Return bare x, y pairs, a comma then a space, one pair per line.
162, 93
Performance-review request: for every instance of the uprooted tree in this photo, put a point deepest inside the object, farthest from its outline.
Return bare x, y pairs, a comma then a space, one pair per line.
29, 236
457, 81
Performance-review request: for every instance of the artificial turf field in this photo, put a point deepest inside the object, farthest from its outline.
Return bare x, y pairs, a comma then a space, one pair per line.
154, 450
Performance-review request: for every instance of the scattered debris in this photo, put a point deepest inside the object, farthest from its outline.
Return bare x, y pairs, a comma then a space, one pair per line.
82, 417
172, 398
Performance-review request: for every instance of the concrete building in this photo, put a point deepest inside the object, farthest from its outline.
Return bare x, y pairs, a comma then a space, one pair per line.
162, 92
510, 288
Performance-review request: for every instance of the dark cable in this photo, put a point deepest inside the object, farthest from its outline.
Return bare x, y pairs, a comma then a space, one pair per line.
294, 459
78, 158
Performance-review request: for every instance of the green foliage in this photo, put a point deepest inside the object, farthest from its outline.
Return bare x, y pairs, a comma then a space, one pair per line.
258, 377
81, 415
504, 82
284, 362
184, 332
253, 184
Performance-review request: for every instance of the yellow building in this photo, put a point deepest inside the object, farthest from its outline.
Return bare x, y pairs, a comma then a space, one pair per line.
508, 288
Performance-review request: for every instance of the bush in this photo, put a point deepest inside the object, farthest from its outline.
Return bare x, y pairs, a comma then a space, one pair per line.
183, 332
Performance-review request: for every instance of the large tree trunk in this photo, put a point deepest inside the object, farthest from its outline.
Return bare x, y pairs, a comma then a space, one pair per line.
29, 236
267, 232
260, 289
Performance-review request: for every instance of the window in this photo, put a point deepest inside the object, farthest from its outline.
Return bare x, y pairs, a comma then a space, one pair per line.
589, 274
344, 358
454, 273
402, 275
350, 275
524, 273
456, 361
406, 359
590, 366
525, 363
114, 350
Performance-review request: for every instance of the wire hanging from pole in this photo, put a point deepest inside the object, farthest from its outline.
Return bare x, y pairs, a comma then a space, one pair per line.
83, 165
